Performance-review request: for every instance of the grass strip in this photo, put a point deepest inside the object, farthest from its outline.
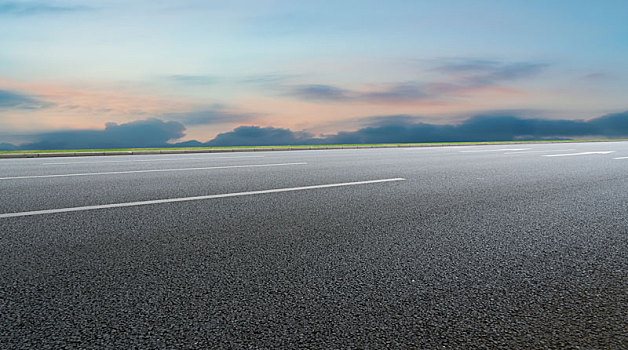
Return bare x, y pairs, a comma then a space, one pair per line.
305, 146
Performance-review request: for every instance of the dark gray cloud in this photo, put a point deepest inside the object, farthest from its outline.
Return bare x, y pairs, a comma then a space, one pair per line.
489, 128
381, 129
328, 93
460, 76
611, 125
211, 116
4, 146
141, 133
258, 136
319, 92
402, 129
400, 92
9, 99
25, 8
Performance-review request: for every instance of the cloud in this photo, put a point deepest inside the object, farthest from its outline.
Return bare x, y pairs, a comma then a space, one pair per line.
382, 129
382, 120
329, 93
597, 76
21, 8
402, 129
489, 128
391, 93
9, 99
482, 73
400, 92
141, 133
258, 136
497, 69
7, 146
211, 116
460, 76
318, 92
612, 125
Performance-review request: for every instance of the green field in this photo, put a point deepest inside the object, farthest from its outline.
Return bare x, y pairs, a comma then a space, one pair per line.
305, 146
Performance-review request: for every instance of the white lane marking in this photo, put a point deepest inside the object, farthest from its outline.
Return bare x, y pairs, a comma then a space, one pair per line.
150, 171
495, 150
547, 150
436, 148
417, 148
621, 158
577, 154
186, 199
149, 160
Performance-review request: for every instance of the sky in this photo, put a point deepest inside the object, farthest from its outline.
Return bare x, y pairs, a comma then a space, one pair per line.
106, 73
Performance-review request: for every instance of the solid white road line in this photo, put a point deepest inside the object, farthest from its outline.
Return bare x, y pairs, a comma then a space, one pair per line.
495, 150
577, 154
547, 150
621, 158
149, 160
187, 199
150, 171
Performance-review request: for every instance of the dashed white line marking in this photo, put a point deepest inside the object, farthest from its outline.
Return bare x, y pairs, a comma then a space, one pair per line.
150, 171
577, 154
149, 160
495, 150
547, 150
187, 199
621, 158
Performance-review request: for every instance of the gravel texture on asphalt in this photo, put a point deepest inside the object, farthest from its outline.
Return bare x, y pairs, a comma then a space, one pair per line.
473, 250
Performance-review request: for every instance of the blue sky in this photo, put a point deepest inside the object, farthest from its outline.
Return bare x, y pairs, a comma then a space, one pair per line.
319, 67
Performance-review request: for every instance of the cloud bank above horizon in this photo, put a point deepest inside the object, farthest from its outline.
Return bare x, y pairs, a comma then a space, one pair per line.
382, 129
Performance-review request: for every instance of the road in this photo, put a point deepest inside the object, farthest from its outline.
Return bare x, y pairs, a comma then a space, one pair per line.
513, 246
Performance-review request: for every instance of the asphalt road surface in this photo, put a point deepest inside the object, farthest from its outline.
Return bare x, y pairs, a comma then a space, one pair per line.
515, 246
